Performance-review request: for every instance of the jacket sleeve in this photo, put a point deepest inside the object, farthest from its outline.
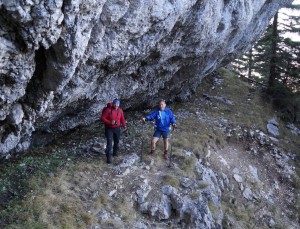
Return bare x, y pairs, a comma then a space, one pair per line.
172, 116
152, 115
122, 119
104, 117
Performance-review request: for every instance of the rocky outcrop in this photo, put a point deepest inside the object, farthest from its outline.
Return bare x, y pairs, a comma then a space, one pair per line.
192, 207
195, 203
61, 61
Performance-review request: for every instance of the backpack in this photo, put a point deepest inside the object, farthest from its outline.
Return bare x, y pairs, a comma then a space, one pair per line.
108, 106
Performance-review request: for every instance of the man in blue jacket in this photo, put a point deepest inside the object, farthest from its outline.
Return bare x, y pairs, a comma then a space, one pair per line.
164, 117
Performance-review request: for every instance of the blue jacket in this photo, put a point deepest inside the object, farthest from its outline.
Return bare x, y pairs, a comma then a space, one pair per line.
170, 119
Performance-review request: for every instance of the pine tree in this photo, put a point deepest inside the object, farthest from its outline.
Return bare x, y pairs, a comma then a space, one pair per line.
275, 58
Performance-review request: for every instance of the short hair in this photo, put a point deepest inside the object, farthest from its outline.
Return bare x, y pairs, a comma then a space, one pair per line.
162, 101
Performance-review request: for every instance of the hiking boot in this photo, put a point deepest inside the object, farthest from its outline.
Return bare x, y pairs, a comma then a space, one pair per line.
108, 159
166, 155
151, 153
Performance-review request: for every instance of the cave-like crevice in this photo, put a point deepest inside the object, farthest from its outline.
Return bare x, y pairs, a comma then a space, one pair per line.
40, 63
33, 87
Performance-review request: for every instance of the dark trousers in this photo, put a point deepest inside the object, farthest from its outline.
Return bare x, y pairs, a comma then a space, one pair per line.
112, 134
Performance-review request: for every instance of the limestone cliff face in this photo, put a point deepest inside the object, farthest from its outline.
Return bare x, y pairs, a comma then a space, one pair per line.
62, 61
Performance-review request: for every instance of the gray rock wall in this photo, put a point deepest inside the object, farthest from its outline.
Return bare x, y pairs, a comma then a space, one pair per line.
62, 61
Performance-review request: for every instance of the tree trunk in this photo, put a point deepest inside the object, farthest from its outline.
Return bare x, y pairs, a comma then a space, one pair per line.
273, 74
250, 63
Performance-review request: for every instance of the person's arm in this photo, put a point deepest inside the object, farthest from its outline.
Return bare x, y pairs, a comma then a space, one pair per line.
173, 119
122, 119
104, 117
151, 116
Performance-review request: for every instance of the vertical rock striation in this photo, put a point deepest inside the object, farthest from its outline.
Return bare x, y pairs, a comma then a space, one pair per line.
61, 61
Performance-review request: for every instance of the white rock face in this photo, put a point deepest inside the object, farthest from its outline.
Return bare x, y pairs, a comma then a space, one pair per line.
62, 61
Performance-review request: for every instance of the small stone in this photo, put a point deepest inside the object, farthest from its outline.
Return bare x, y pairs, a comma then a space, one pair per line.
272, 223
112, 192
186, 182
144, 207
273, 122
140, 225
103, 215
97, 150
247, 193
272, 129
238, 178
96, 226
274, 139
236, 170
241, 187
253, 173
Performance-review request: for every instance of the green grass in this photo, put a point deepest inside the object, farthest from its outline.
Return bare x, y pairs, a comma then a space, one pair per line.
34, 188
17, 176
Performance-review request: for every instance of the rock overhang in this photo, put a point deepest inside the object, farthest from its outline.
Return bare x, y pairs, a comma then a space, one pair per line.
62, 61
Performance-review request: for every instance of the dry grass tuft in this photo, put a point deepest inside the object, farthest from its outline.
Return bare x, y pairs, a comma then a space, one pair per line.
195, 195
202, 184
171, 180
126, 211
188, 166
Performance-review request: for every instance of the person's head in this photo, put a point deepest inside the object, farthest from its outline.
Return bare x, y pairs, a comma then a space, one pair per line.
162, 104
116, 103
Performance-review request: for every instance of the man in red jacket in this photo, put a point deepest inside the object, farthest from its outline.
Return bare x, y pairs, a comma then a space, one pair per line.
113, 118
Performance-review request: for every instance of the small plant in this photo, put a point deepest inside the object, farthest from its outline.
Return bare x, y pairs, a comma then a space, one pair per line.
65, 208
212, 207
86, 218
202, 184
170, 180
188, 166
241, 216
103, 200
126, 210
110, 223
195, 195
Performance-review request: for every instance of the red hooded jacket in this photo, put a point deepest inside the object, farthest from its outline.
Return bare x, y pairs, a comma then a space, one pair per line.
109, 114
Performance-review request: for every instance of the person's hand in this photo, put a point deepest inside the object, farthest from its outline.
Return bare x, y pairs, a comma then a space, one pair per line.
144, 119
113, 122
125, 131
174, 126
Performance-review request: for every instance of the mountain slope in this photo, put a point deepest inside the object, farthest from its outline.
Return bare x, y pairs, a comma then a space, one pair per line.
226, 171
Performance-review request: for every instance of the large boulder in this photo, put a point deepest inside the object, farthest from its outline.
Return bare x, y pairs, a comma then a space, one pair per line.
62, 61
